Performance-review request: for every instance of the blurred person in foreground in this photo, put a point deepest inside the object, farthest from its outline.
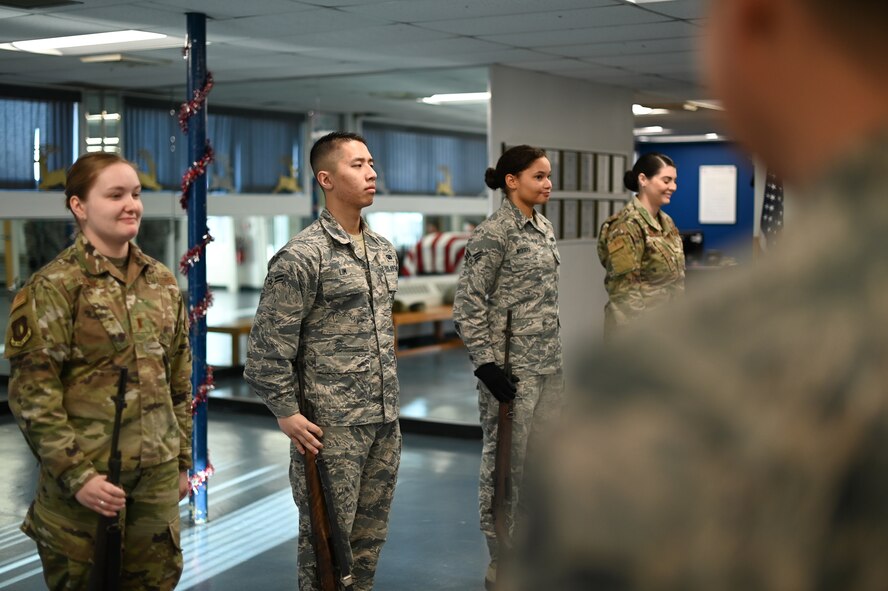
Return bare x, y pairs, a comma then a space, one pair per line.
742, 442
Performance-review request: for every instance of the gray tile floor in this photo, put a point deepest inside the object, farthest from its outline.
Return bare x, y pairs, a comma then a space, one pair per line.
250, 540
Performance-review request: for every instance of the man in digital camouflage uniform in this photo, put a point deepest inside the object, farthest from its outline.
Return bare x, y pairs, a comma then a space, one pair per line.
71, 327
325, 321
742, 442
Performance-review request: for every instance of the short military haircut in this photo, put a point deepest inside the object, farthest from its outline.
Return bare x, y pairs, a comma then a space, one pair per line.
328, 144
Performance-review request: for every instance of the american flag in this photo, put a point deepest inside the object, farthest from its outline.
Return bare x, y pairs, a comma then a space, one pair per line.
772, 210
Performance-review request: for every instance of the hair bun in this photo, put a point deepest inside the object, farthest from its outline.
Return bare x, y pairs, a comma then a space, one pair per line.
491, 180
630, 181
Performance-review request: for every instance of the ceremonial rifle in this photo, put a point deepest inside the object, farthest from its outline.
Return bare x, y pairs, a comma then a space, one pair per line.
331, 554
108, 550
502, 488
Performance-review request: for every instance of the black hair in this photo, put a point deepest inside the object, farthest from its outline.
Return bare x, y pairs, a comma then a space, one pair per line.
649, 165
327, 144
513, 161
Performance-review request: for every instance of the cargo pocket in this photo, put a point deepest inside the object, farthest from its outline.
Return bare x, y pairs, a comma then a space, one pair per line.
525, 349
60, 533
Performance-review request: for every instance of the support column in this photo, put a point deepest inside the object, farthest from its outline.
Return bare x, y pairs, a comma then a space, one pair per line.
197, 274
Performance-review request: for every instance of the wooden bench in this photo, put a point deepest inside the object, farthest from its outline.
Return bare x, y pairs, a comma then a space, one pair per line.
235, 328
434, 314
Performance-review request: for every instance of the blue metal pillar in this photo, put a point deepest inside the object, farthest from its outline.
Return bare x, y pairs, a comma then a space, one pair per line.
197, 275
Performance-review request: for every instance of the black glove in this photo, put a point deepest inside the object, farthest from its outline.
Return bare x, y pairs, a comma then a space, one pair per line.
496, 380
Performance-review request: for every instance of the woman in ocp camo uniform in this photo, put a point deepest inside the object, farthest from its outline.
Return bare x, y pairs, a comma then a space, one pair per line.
640, 247
102, 304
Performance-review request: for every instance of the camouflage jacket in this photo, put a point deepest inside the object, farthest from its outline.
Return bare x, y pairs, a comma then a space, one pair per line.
77, 320
325, 318
741, 441
644, 260
512, 263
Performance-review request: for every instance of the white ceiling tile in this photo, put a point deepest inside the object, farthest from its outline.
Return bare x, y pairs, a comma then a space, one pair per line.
421, 11
556, 20
322, 20
225, 9
684, 9
638, 47
365, 55
576, 36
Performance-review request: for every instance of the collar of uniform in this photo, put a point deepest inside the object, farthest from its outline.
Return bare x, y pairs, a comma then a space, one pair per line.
648, 218
338, 233
333, 228
520, 219
95, 263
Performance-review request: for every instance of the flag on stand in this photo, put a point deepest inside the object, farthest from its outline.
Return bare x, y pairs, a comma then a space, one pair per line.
772, 211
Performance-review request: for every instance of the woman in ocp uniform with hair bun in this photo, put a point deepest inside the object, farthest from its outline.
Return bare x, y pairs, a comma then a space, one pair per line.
640, 246
511, 263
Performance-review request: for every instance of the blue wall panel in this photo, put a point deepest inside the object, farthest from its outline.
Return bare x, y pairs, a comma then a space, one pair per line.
732, 239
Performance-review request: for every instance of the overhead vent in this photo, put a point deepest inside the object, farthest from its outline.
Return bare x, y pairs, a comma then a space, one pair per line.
30, 4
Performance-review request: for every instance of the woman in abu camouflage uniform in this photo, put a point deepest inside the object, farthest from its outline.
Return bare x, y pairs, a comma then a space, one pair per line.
511, 263
640, 247
100, 305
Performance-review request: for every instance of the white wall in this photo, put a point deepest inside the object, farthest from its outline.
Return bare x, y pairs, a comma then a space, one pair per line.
556, 112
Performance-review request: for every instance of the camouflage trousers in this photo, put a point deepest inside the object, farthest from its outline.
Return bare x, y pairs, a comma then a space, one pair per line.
363, 464
65, 531
537, 403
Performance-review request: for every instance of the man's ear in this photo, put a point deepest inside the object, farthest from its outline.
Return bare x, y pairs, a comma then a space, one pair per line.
325, 180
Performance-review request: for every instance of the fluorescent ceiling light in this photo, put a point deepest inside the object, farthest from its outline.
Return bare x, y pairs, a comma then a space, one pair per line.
694, 105
650, 129
103, 115
642, 110
130, 40
680, 139
646, 1
456, 98
122, 58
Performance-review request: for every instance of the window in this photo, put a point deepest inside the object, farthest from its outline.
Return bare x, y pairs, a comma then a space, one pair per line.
38, 136
419, 161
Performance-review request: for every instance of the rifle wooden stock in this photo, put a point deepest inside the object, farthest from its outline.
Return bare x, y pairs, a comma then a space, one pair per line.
502, 488
320, 527
108, 550
328, 540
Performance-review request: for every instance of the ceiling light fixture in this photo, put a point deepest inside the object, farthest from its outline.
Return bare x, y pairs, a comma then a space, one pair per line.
456, 98
650, 129
85, 44
646, 1
694, 105
642, 110
681, 139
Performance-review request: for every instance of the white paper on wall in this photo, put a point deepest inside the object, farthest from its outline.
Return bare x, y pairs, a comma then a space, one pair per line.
718, 194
